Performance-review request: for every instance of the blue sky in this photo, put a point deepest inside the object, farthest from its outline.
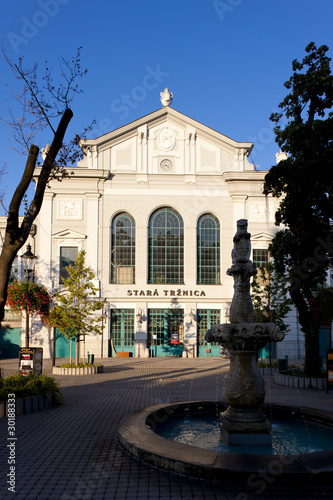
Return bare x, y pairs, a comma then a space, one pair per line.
224, 60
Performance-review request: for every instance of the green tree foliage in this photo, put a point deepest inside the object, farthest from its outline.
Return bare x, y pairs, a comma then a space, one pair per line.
322, 305
303, 250
270, 297
75, 306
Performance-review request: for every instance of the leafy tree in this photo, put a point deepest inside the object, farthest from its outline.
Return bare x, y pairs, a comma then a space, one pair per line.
41, 102
74, 311
322, 305
303, 250
270, 297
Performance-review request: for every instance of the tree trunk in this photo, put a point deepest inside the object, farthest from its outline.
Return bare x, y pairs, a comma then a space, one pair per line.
77, 349
310, 328
16, 235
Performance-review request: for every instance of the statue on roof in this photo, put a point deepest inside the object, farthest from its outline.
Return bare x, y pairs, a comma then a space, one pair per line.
166, 97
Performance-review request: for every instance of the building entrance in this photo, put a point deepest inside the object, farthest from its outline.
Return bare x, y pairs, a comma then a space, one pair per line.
165, 332
63, 346
122, 330
206, 319
10, 341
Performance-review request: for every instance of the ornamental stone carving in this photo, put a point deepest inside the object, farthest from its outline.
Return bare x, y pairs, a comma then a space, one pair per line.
166, 97
45, 151
166, 139
70, 210
281, 156
241, 309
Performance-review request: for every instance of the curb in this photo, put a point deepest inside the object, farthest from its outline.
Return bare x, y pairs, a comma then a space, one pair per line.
300, 382
87, 370
267, 371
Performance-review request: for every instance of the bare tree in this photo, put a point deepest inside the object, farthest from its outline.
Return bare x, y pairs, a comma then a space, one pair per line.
42, 102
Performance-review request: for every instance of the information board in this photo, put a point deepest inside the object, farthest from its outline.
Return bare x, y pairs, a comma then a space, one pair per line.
31, 360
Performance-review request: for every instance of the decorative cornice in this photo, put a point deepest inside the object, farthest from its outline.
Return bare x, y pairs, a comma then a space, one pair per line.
245, 176
80, 173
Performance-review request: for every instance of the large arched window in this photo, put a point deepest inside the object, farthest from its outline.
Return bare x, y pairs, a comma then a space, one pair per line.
166, 247
208, 248
123, 249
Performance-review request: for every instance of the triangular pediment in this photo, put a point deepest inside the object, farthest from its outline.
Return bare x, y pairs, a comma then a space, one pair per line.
160, 116
165, 142
69, 234
262, 237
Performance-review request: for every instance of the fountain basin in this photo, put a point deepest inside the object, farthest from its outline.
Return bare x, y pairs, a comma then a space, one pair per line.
137, 435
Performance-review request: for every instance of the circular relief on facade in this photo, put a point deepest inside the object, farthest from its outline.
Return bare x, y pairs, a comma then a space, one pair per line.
166, 165
166, 139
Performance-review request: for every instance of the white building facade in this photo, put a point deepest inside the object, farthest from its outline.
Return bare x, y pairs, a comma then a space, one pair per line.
155, 204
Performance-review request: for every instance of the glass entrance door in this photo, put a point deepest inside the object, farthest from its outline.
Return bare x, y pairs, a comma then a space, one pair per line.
206, 319
122, 330
166, 332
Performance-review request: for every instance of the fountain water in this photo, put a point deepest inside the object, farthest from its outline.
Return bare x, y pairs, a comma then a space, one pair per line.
243, 388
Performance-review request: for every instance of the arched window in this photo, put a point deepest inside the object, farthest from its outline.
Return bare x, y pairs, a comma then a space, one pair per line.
123, 249
208, 250
166, 247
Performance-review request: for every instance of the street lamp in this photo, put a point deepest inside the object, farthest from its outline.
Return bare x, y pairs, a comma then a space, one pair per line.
28, 267
28, 260
192, 316
140, 316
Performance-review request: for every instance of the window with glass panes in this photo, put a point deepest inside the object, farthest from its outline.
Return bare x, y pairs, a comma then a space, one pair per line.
68, 255
208, 250
166, 247
123, 249
165, 326
260, 258
206, 318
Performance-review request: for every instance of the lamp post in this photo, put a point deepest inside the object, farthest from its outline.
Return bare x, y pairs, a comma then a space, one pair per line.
28, 263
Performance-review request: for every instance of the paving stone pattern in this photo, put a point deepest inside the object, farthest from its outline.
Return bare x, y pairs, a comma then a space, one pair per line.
72, 452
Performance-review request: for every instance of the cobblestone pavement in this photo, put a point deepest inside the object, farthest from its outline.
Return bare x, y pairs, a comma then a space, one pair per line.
72, 452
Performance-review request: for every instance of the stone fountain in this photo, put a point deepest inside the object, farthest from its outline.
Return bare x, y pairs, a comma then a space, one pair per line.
243, 422
243, 387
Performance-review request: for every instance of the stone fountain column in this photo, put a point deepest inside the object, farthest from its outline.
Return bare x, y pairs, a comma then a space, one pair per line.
243, 387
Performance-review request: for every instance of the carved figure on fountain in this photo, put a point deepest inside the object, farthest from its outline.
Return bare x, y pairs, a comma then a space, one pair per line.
241, 309
242, 245
243, 387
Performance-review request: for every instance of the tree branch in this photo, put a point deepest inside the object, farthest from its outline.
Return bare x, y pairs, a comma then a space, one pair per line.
47, 167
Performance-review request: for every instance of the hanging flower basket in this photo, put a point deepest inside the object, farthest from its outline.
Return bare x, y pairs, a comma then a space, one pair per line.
29, 297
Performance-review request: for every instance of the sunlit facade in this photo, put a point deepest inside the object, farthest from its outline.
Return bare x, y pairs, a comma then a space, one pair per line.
155, 204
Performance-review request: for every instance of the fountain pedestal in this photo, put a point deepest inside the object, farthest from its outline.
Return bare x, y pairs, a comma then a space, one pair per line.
243, 422
243, 387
